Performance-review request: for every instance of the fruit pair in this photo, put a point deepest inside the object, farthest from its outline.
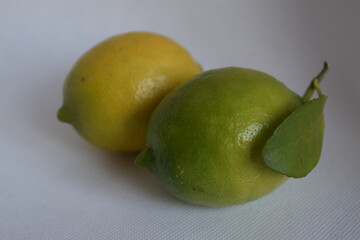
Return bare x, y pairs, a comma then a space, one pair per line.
225, 137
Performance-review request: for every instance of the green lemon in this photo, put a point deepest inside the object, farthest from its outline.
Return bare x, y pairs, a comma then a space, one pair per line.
113, 88
205, 139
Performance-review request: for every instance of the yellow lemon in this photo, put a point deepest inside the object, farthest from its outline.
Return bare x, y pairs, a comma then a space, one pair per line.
113, 88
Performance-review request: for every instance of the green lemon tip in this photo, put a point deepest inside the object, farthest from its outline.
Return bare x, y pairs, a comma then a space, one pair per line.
145, 160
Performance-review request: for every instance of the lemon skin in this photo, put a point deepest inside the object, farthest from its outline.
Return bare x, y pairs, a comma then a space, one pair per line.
113, 88
205, 139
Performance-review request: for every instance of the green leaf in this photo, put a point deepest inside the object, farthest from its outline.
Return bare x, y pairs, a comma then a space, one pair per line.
295, 147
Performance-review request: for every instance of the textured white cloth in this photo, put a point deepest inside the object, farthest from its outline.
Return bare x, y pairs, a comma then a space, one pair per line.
53, 185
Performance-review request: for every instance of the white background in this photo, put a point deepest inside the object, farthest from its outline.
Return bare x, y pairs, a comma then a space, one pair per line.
53, 185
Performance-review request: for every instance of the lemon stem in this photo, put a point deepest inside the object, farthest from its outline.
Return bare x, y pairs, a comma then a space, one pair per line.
314, 85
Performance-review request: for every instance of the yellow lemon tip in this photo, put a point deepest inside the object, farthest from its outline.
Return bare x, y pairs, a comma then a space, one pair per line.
63, 115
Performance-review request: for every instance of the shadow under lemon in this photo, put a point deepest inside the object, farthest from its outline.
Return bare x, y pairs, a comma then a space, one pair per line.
122, 166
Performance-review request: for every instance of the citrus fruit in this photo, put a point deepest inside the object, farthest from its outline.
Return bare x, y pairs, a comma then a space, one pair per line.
113, 88
205, 139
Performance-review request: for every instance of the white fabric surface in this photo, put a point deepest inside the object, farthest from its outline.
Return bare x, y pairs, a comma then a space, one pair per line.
53, 185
